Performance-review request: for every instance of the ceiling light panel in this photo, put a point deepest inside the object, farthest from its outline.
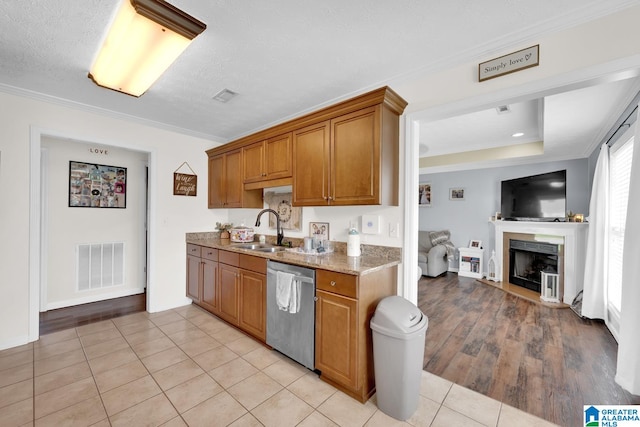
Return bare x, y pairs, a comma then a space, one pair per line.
144, 40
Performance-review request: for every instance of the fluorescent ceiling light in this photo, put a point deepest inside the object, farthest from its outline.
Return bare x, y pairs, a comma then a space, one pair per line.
144, 40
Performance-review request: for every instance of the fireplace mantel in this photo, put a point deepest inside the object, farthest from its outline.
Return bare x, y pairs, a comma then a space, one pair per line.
574, 236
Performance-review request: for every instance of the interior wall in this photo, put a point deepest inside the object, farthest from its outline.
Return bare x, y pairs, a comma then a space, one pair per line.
469, 219
66, 227
170, 216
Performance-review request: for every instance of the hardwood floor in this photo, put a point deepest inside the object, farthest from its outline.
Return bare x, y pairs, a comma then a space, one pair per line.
545, 361
78, 315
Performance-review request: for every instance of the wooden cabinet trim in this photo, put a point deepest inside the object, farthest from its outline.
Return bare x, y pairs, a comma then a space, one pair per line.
229, 258
384, 95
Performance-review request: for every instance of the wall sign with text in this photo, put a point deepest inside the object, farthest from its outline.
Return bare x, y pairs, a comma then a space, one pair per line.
516, 61
185, 184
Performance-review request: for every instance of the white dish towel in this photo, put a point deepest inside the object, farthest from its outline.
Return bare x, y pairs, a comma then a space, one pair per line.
287, 292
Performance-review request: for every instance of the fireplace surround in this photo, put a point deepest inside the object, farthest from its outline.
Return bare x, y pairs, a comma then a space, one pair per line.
571, 238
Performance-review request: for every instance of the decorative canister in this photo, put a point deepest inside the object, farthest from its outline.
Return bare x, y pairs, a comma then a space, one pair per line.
241, 234
353, 243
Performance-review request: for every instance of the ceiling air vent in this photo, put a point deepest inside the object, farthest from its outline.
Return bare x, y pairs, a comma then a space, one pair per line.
224, 95
503, 109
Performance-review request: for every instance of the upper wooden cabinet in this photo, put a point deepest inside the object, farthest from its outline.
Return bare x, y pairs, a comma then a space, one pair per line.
345, 154
225, 183
267, 160
339, 162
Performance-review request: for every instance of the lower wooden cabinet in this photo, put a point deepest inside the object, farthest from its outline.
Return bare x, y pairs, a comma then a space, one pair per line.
202, 276
230, 285
253, 298
229, 280
336, 337
345, 305
194, 277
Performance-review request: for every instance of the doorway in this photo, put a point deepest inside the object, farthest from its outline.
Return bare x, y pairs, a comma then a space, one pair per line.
53, 217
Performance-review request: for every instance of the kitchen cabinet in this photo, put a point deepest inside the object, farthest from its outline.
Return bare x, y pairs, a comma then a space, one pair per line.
344, 346
229, 280
341, 161
194, 275
336, 337
344, 154
202, 276
267, 160
243, 290
225, 183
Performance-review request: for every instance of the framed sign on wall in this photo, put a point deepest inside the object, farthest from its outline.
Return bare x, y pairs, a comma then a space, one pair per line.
97, 186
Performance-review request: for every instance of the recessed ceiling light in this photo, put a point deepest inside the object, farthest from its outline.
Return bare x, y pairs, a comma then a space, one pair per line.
517, 134
224, 95
502, 109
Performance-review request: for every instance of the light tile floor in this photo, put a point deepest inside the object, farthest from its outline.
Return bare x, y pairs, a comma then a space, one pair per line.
185, 367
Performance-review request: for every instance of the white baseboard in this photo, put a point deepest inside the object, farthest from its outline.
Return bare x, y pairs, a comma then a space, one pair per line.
182, 303
93, 298
14, 342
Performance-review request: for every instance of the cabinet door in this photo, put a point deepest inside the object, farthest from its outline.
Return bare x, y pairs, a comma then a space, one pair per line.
194, 278
216, 182
277, 157
355, 158
209, 285
311, 165
233, 179
253, 296
336, 338
253, 162
228, 285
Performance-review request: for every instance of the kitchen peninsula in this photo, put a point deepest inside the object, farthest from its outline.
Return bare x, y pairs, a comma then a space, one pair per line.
230, 282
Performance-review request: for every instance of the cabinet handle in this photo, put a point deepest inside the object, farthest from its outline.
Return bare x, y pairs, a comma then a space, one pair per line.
330, 198
333, 283
264, 174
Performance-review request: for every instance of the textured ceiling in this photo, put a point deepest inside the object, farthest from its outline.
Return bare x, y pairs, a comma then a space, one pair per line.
283, 57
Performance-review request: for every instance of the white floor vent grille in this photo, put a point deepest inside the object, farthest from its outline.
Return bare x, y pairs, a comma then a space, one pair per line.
100, 265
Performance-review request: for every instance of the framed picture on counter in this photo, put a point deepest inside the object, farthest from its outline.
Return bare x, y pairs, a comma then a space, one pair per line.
319, 230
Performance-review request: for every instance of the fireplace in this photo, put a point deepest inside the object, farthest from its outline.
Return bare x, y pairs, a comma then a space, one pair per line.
528, 260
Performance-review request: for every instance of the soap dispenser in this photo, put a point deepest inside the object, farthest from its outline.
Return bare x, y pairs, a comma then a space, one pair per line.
353, 243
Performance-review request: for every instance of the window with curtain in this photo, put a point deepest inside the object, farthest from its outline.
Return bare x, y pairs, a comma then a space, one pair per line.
620, 172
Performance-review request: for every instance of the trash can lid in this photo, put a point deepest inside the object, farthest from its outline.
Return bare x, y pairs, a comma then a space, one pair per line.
396, 315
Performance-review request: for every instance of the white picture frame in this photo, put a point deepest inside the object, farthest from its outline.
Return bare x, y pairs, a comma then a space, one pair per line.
456, 193
475, 244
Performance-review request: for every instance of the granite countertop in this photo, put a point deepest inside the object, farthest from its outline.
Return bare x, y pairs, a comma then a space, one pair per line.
374, 258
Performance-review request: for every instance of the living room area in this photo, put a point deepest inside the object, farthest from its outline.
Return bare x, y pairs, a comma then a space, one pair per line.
535, 357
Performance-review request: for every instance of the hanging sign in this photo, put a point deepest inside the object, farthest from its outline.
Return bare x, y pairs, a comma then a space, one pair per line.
185, 184
516, 61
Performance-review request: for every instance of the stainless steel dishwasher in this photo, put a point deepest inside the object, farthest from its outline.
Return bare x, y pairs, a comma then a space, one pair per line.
292, 334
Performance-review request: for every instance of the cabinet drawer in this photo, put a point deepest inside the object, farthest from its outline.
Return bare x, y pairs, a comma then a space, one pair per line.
209, 253
338, 283
253, 263
193, 250
229, 258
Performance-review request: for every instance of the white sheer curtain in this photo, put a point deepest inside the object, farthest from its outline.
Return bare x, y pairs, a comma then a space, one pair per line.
628, 368
594, 294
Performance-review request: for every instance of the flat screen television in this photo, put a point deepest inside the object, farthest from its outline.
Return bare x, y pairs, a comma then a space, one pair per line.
535, 198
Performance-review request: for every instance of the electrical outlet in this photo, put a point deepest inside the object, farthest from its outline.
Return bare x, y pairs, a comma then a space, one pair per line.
394, 230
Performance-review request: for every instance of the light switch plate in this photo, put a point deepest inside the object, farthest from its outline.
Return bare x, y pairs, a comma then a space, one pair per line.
370, 224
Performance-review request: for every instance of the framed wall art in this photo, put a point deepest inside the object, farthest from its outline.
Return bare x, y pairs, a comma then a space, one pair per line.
424, 194
456, 193
97, 186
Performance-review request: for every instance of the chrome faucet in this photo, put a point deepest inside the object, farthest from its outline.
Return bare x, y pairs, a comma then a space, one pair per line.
280, 234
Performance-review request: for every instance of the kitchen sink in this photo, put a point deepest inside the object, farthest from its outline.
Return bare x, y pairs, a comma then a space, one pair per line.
271, 249
260, 247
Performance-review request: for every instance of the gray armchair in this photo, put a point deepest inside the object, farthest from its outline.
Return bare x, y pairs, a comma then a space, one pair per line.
434, 251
